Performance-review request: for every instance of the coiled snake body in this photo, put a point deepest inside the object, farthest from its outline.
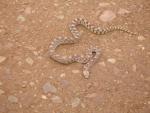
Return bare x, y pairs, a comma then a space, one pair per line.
92, 54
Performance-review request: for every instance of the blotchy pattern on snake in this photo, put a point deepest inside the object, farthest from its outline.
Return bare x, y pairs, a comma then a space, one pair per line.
92, 54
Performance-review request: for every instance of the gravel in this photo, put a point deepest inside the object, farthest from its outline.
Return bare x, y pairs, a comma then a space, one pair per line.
12, 99
111, 60
44, 97
75, 102
29, 61
56, 99
62, 75
141, 38
21, 18
75, 71
49, 88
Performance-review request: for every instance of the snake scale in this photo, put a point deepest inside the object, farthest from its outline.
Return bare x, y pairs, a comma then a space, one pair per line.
92, 54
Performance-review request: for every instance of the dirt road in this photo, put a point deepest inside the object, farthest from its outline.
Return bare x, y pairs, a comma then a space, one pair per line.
31, 82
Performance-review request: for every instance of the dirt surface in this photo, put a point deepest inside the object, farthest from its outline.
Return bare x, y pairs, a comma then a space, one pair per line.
31, 82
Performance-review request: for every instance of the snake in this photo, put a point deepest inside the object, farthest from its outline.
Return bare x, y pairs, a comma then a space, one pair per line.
92, 54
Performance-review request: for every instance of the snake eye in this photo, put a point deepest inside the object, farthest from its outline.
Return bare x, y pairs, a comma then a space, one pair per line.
93, 53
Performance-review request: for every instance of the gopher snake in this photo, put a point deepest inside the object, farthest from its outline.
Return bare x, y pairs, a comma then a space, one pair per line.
92, 54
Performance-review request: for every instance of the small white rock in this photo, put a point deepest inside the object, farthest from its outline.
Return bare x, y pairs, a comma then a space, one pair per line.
61, 17
56, 99
2, 59
107, 16
2, 91
21, 18
12, 99
75, 102
29, 61
86, 74
111, 60
62, 75
44, 97
141, 38
75, 71
32, 84
141, 46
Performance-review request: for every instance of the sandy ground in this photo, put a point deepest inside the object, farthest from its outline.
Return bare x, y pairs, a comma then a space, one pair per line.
31, 82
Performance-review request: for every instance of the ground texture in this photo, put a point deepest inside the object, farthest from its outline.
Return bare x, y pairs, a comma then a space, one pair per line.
31, 82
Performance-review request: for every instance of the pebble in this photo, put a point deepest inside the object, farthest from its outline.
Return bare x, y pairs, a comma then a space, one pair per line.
21, 18
141, 38
32, 84
49, 88
35, 53
29, 61
86, 74
62, 75
118, 81
111, 60
56, 99
75, 102
56, 4
12, 99
24, 84
61, 17
107, 16
2, 91
141, 46
44, 97
2, 59
103, 4
123, 11
75, 71
92, 95
83, 1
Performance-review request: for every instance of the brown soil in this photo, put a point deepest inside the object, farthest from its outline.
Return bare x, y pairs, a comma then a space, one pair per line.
119, 81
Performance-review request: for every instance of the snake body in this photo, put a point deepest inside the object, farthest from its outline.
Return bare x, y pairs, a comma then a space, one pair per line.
92, 54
